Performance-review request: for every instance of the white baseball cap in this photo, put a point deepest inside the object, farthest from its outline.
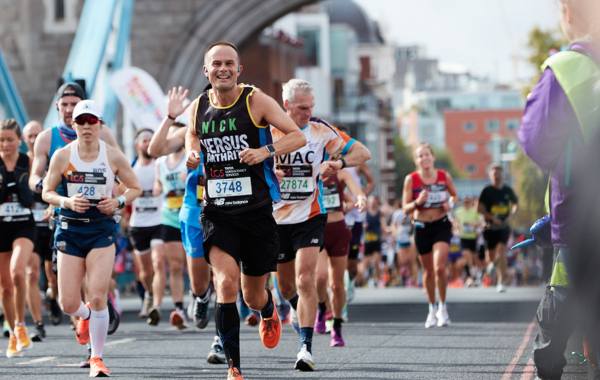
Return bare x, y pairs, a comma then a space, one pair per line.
86, 107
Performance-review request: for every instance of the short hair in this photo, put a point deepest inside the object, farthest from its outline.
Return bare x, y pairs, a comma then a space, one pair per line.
424, 145
293, 86
222, 43
495, 165
11, 125
142, 131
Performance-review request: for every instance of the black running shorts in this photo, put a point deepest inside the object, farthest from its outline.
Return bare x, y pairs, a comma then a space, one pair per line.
169, 234
468, 244
494, 237
372, 246
43, 243
12, 231
355, 240
292, 237
250, 238
142, 237
429, 233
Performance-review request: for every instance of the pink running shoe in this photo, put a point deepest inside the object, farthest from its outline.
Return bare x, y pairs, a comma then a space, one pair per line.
320, 327
336, 338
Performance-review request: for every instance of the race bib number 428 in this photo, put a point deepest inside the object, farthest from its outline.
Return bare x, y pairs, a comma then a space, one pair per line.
230, 187
89, 191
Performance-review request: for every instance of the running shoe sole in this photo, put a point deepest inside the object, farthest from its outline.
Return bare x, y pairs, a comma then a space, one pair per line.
114, 319
177, 321
304, 366
153, 317
56, 315
213, 358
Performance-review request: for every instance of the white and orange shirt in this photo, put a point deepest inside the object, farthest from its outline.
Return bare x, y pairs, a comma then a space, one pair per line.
301, 187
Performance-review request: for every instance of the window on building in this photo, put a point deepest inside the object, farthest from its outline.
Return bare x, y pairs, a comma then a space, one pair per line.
492, 126
471, 168
310, 40
60, 16
469, 126
469, 147
338, 94
512, 125
59, 10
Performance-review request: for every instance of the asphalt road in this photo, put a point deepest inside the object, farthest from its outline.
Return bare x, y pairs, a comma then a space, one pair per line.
490, 338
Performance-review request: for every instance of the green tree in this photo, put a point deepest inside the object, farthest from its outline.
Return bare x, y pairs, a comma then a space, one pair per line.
443, 160
404, 163
541, 43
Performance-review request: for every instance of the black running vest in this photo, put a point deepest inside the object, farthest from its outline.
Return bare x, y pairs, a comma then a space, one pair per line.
233, 187
21, 176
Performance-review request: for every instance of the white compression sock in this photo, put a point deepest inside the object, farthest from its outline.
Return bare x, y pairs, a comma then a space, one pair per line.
83, 312
98, 331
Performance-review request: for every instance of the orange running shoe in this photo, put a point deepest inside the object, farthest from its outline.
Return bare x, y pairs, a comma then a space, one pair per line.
23, 341
270, 330
486, 281
234, 374
82, 329
11, 350
97, 368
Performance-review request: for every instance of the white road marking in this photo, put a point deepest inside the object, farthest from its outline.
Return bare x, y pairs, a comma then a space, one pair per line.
38, 360
120, 341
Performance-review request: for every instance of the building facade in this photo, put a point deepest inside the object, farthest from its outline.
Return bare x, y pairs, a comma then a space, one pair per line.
476, 138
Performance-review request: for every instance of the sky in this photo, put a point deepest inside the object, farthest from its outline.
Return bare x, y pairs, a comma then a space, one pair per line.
482, 35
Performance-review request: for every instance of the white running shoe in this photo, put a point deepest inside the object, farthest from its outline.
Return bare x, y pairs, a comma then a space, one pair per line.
431, 320
304, 360
442, 317
500, 288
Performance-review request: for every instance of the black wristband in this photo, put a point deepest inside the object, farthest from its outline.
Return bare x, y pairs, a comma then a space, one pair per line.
171, 117
343, 162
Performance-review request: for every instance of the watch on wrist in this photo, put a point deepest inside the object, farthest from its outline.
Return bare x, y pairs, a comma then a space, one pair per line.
343, 162
271, 149
121, 199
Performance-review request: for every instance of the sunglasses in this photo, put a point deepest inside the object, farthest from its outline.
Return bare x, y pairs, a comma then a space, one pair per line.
87, 118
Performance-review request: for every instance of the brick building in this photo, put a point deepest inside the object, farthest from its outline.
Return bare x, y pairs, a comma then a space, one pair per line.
476, 138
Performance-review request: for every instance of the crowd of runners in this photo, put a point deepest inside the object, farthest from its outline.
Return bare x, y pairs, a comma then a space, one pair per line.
268, 209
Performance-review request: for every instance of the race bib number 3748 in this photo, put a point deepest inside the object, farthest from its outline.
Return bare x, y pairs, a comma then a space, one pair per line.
230, 187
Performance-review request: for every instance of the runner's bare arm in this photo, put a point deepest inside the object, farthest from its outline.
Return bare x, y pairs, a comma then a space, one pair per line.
192, 141
451, 191
366, 172
162, 142
127, 178
40, 160
361, 199
157, 188
357, 155
263, 107
408, 203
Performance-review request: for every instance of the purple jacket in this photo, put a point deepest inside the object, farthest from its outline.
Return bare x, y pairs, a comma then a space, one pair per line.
548, 122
